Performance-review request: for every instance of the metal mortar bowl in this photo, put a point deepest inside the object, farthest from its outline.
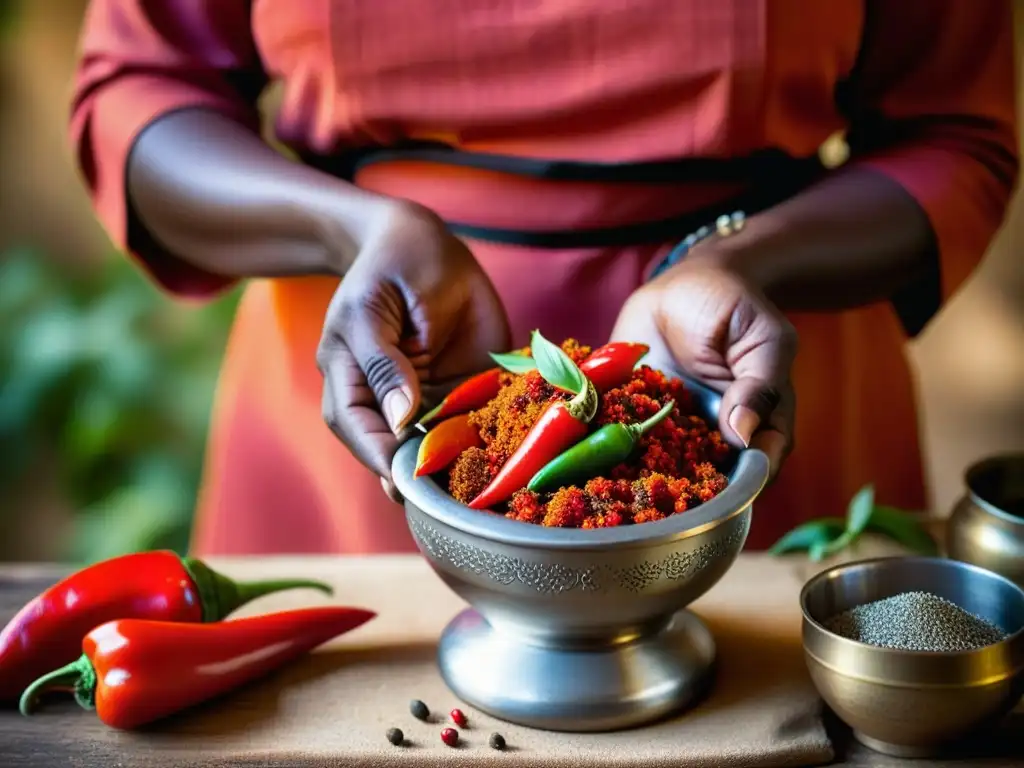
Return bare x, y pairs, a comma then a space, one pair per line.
912, 703
579, 630
986, 527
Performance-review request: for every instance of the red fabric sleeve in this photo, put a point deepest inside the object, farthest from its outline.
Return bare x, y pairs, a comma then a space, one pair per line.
937, 80
141, 59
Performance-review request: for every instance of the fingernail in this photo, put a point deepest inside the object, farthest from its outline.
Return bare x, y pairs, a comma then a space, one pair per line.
391, 491
396, 405
743, 422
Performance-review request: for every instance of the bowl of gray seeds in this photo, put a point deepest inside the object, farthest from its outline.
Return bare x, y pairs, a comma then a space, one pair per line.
915, 654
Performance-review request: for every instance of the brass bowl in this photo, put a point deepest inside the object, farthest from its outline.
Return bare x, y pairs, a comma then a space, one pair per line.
913, 703
986, 527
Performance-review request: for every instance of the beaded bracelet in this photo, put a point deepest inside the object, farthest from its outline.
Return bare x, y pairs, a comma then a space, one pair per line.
725, 225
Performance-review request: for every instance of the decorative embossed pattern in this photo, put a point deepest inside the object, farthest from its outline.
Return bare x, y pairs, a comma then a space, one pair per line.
543, 577
551, 578
678, 565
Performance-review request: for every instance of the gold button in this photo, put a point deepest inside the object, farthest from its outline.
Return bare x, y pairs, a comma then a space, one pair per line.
834, 151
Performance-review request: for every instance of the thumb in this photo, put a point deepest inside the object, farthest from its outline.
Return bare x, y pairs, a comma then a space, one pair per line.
389, 374
746, 405
761, 352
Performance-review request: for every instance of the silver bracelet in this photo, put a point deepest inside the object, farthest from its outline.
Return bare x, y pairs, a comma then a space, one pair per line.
725, 225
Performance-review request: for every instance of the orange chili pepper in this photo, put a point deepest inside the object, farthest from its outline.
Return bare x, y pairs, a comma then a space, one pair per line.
443, 444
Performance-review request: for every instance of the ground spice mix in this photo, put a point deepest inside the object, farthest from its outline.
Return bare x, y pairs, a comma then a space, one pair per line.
674, 467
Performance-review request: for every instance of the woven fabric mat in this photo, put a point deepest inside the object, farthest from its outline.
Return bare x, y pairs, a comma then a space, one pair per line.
334, 707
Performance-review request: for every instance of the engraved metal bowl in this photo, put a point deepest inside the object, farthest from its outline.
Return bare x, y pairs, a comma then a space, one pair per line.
986, 526
580, 630
911, 703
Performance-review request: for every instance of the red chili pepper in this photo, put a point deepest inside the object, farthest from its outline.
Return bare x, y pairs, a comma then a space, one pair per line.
612, 365
607, 367
562, 424
48, 631
473, 393
134, 671
443, 444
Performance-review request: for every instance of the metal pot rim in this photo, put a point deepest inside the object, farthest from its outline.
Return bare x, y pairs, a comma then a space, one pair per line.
748, 477
830, 573
972, 476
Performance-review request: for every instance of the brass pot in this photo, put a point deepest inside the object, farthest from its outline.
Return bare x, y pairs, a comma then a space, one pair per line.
914, 703
986, 527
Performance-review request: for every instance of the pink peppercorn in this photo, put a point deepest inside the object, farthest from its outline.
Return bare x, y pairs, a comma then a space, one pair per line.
458, 717
450, 736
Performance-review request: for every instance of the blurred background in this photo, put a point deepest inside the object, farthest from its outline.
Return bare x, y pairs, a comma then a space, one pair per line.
106, 385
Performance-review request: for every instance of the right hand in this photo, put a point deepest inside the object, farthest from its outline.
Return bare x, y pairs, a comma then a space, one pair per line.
414, 310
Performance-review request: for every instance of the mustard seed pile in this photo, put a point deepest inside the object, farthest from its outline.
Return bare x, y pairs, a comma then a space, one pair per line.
915, 621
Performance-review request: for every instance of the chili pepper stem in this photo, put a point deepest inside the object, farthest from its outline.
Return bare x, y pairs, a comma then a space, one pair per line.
430, 415
583, 405
655, 420
79, 675
221, 596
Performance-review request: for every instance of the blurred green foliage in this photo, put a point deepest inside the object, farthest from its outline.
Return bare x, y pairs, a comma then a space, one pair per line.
111, 381
9, 10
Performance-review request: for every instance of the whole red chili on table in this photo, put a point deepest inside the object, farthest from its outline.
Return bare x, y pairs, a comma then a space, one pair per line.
134, 671
443, 444
48, 631
562, 424
607, 367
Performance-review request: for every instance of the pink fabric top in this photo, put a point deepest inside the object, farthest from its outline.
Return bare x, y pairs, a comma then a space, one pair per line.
573, 79
598, 80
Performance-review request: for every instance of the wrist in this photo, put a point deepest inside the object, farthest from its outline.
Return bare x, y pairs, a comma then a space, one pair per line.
740, 254
341, 219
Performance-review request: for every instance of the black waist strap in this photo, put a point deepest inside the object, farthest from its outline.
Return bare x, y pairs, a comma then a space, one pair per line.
771, 175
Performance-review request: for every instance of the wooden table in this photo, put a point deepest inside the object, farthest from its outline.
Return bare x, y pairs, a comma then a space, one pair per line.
66, 738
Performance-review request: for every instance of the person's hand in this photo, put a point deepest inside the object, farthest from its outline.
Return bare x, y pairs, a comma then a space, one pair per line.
414, 310
708, 322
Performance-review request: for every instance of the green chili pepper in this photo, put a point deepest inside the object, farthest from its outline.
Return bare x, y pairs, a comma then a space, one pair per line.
610, 445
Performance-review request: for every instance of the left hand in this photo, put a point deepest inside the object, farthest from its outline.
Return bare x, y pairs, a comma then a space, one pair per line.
709, 322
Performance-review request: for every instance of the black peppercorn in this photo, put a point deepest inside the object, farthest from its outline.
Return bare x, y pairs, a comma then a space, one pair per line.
395, 736
497, 741
419, 709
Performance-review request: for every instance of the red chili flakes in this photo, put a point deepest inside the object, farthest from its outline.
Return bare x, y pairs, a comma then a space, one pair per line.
674, 469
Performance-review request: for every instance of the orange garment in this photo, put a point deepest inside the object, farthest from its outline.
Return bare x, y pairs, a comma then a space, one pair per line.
609, 81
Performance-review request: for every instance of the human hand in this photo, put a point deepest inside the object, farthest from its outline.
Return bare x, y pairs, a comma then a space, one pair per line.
414, 310
704, 320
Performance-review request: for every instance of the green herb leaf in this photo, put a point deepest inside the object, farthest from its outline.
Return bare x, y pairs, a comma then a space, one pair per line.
838, 544
513, 362
819, 550
807, 536
903, 528
858, 513
555, 366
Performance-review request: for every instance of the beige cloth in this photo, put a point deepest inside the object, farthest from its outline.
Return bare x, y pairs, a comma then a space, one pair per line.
333, 708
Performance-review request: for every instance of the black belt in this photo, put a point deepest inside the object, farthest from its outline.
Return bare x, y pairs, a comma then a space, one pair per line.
771, 176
